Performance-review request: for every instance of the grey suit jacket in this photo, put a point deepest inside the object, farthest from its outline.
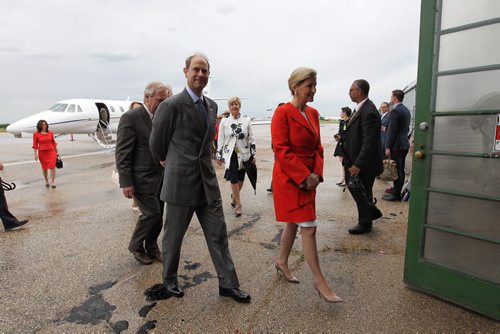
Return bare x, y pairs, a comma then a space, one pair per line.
134, 161
180, 138
396, 136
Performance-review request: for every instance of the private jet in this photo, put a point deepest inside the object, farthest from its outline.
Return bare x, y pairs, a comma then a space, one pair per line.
97, 118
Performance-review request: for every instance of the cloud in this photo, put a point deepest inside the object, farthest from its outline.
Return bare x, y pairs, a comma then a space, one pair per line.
225, 9
115, 56
43, 56
10, 50
109, 49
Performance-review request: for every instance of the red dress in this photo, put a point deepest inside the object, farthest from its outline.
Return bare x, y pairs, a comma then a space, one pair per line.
46, 146
298, 150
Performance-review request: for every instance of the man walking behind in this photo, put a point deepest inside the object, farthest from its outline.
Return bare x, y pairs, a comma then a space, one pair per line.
140, 174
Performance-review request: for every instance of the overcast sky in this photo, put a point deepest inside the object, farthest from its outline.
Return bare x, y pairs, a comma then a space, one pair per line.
58, 49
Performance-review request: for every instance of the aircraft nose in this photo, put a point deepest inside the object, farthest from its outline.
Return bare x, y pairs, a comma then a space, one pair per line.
10, 128
14, 128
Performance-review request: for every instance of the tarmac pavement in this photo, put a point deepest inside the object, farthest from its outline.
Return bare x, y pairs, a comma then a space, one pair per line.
69, 270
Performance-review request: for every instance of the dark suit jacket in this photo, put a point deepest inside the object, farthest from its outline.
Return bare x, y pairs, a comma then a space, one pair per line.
180, 138
338, 148
396, 136
362, 140
384, 121
134, 161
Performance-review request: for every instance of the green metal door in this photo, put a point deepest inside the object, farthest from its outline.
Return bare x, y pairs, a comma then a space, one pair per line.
453, 244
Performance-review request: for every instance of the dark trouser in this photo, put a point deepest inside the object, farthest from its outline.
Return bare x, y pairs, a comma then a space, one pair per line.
365, 210
211, 218
8, 218
399, 157
149, 224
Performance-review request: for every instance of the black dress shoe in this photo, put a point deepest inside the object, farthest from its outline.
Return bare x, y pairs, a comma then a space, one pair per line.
155, 255
236, 293
391, 197
17, 224
142, 257
360, 229
173, 289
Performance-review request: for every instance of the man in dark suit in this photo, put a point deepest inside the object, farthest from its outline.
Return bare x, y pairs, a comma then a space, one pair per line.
363, 153
182, 135
140, 174
384, 121
9, 221
396, 141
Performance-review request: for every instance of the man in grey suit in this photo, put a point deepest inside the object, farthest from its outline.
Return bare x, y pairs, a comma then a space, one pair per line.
140, 174
396, 141
182, 135
363, 153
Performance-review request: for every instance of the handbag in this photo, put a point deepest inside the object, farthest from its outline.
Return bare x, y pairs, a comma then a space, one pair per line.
390, 172
356, 187
59, 162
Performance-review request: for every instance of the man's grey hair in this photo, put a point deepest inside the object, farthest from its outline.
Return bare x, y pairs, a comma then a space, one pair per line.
197, 54
153, 87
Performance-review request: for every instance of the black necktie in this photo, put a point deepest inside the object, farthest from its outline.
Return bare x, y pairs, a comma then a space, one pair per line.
201, 109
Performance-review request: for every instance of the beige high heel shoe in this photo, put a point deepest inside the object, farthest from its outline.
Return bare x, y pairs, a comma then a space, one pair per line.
291, 279
335, 299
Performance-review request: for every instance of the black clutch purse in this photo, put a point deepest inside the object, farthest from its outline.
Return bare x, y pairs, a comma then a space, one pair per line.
59, 162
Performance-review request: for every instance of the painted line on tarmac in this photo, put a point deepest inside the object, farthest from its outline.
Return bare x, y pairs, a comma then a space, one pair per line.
64, 157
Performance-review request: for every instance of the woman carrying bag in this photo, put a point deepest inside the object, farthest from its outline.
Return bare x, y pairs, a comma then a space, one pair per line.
235, 145
45, 150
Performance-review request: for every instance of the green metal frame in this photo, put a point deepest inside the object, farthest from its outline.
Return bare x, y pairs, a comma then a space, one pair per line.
461, 288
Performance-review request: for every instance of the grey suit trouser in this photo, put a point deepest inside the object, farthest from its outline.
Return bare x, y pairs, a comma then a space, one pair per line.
212, 222
149, 224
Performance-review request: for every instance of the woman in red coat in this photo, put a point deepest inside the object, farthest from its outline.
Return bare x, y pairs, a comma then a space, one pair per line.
45, 148
298, 170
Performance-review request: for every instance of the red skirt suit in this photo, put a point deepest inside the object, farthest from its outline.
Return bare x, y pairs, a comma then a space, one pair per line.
298, 150
46, 146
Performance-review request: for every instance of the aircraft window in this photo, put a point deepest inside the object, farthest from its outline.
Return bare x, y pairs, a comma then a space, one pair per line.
79, 109
112, 109
121, 109
59, 107
71, 108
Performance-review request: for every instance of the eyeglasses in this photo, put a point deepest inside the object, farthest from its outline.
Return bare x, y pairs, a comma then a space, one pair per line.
350, 90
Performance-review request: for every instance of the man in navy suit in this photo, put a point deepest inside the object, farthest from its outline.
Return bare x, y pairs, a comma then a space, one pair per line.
384, 121
363, 153
396, 141
9, 221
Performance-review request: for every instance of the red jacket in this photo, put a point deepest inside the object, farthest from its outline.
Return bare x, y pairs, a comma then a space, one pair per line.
44, 142
298, 150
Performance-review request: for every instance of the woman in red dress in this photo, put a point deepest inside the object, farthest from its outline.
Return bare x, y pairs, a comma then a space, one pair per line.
298, 170
45, 148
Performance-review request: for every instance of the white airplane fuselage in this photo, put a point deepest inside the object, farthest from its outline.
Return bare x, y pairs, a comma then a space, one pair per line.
75, 116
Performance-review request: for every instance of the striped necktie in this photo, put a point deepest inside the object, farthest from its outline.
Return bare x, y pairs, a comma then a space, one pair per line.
201, 109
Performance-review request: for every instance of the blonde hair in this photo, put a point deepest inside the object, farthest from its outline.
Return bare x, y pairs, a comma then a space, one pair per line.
232, 100
298, 76
154, 87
